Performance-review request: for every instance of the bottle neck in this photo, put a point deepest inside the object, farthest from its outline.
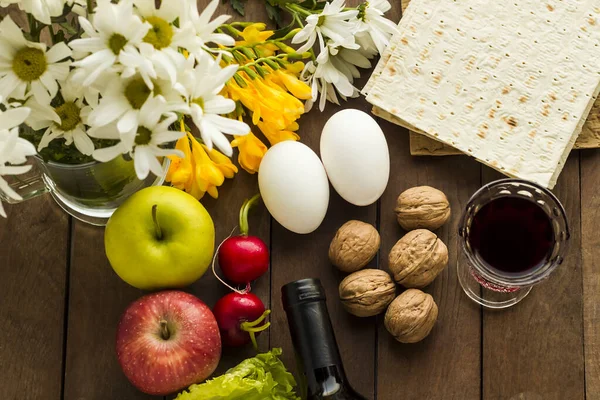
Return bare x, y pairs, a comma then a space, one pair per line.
316, 348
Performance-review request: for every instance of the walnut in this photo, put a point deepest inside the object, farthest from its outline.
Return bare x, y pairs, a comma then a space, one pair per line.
417, 258
422, 207
411, 316
368, 292
354, 245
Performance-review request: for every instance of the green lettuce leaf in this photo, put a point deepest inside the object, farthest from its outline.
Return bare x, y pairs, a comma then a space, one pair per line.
259, 378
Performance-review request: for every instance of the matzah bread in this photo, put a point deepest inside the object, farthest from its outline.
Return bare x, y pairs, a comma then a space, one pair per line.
422, 145
509, 83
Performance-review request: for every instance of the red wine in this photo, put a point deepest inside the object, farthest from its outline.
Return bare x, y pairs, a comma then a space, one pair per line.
512, 234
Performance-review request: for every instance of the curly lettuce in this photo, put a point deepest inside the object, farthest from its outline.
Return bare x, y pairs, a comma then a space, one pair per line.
259, 378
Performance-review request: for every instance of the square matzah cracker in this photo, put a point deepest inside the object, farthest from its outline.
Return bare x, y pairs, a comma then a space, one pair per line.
507, 82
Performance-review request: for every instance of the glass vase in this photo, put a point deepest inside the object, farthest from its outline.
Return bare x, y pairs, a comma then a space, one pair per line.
90, 192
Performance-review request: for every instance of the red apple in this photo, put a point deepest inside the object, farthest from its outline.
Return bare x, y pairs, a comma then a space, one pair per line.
167, 341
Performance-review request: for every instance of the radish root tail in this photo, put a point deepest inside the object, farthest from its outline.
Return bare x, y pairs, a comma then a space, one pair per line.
214, 271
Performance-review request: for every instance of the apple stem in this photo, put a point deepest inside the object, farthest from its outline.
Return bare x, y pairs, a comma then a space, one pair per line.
248, 203
164, 330
159, 234
252, 329
214, 261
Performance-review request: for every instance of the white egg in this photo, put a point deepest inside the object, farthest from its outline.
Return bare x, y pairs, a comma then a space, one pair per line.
356, 156
294, 186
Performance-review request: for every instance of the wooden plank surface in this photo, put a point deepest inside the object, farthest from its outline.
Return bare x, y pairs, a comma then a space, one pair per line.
33, 265
590, 245
534, 350
225, 211
97, 299
306, 256
446, 365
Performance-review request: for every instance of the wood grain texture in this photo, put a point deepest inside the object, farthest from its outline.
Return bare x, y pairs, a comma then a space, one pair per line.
590, 244
534, 350
225, 212
446, 365
33, 265
97, 299
421, 145
306, 256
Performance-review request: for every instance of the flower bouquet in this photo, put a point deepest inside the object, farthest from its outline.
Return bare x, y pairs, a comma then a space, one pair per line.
142, 82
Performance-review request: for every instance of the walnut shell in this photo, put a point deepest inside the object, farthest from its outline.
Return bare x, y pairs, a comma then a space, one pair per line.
368, 292
422, 207
354, 245
418, 258
411, 316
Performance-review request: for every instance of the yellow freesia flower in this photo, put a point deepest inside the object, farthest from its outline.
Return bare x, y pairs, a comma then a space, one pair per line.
256, 33
180, 169
275, 135
288, 79
251, 151
222, 161
201, 170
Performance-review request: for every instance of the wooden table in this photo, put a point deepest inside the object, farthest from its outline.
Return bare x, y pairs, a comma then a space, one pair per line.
60, 300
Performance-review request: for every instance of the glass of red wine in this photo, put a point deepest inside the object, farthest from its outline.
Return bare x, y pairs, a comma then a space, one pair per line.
513, 234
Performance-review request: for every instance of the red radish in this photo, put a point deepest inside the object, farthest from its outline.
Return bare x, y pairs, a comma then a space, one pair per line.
239, 316
244, 258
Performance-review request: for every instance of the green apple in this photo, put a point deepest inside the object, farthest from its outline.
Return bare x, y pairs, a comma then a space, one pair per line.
161, 237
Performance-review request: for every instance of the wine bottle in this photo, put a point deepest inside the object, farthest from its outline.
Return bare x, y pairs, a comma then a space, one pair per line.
317, 353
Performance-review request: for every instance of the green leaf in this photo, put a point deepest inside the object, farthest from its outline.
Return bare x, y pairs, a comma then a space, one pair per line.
313, 4
239, 6
69, 28
258, 378
282, 32
274, 14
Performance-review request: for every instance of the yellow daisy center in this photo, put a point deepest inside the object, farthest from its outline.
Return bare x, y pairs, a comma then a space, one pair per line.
321, 20
116, 43
69, 114
161, 33
29, 64
143, 136
137, 93
199, 101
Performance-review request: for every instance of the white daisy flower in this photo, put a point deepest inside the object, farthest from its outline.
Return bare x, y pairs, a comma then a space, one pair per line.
367, 46
333, 23
201, 30
372, 21
115, 32
67, 120
121, 102
26, 68
145, 144
164, 39
13, 150
204, 84
333, 74
41, 10
335, 70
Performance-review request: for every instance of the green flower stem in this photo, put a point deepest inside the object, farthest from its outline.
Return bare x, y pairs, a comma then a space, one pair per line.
298, 9
248, 203
263, 60
90, 6
241, 23
35, 28
231, 29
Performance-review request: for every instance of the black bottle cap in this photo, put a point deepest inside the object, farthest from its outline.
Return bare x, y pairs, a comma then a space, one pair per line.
302, 291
